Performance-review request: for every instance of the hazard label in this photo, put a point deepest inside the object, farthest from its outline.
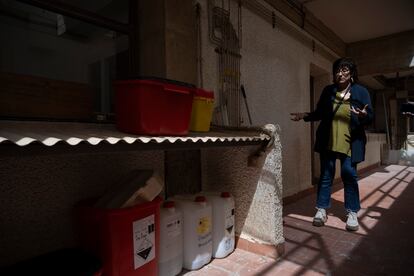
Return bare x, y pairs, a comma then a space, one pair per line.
228, 244
144, 241
203, 226
174, 228
229, 220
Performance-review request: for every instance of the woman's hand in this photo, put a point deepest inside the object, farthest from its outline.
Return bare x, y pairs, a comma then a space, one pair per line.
361, 113
297, 116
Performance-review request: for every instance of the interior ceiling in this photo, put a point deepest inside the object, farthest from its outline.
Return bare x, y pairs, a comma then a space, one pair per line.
356, 20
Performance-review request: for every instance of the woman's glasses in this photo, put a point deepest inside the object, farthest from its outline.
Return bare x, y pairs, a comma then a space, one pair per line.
343, 71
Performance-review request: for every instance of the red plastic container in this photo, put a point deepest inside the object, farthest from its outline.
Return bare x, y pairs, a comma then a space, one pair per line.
126, 240
153, 106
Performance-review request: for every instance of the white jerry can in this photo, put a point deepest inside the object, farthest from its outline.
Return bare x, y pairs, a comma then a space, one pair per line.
223, 223
197, 222
170, 262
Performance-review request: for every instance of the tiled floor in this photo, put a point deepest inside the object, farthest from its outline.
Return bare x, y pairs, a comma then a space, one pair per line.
384, 244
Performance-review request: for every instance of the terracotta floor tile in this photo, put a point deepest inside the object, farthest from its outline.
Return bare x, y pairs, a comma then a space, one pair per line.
209, 271
228, 265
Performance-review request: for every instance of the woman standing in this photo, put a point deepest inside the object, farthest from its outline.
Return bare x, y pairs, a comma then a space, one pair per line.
344, 109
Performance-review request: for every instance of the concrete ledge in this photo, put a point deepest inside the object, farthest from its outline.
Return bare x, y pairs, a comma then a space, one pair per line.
268, 250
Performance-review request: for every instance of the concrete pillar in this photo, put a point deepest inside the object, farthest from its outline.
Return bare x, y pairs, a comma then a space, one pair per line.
180, 41
168, 49
151, 30
168, 40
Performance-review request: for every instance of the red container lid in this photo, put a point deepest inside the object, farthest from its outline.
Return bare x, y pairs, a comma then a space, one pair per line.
204, 93
168, 204
200, 199
155, 80
225, 194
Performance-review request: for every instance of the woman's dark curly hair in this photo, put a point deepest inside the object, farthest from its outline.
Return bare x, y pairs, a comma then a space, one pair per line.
348, 63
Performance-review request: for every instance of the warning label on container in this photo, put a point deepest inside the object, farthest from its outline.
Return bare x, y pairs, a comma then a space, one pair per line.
203, 226
204, 231
174, 228
229, 220
144, 241
227, 244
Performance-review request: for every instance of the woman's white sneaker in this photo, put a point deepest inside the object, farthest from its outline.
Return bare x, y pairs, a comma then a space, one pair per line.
320, 217
352, 222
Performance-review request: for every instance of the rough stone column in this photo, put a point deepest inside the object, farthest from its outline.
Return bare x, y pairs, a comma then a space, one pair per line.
257, 190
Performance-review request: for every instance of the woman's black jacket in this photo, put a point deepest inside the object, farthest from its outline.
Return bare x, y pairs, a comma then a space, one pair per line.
324, 113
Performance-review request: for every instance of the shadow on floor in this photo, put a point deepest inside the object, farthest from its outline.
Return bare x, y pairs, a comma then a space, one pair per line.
382, 246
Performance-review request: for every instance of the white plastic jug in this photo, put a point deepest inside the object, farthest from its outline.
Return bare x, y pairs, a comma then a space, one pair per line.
223, 223
170, 262
197, 218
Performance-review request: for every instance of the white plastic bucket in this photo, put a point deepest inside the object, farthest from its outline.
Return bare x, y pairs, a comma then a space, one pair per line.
223, 223
170, 262
197, 222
